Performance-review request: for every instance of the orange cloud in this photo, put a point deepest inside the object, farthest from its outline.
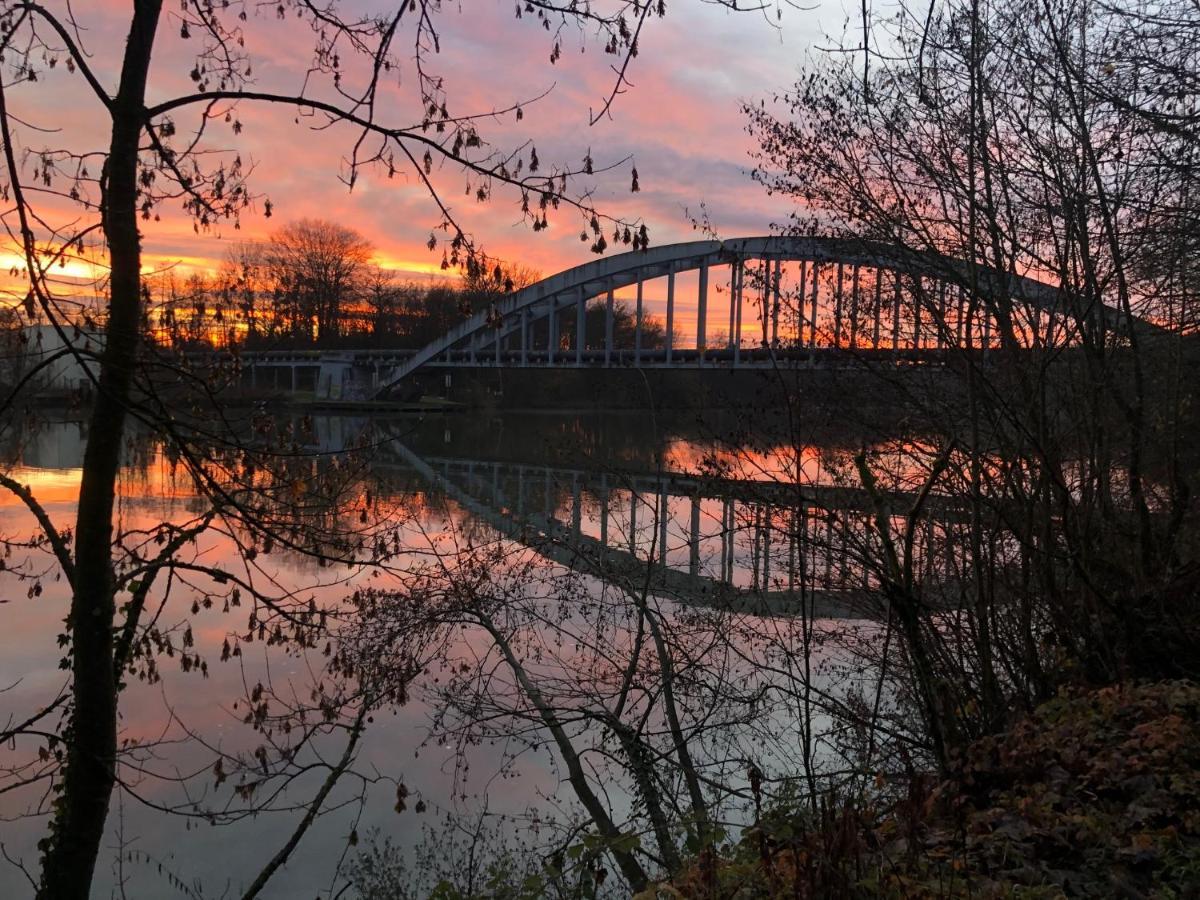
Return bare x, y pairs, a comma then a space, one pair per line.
679, 122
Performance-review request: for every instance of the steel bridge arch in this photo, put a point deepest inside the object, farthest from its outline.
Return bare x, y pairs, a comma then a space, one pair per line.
572, 287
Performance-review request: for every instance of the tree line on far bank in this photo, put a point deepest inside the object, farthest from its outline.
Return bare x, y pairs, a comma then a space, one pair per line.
316, 284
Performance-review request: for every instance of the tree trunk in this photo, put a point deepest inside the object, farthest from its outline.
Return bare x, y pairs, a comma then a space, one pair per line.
69, 854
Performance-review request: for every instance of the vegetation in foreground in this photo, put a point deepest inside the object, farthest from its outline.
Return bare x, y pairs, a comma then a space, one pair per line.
1096, 794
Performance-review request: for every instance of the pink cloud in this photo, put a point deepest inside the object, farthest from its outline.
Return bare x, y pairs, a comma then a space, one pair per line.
680, 122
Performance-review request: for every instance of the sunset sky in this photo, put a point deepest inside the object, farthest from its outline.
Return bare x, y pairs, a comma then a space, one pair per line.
680, 123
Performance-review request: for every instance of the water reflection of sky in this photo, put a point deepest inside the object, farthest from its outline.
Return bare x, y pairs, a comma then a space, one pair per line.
398, 743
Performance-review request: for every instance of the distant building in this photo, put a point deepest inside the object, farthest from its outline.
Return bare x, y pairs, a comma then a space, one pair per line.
60, 369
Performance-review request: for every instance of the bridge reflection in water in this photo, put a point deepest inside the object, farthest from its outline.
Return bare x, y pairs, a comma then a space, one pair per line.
769, 547
759, 547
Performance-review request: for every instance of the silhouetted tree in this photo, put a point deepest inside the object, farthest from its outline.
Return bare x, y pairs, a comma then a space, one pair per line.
156, 149
317, 274
994, 142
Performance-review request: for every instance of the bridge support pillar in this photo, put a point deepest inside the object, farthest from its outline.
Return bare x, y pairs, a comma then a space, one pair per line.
608, 328
670, 336
918, 297
959, 306
580, 326
828, 552
942, 324
896, 315
812, 324
576, 509
701, 311
878, 309
767, 527
727, 540
637, 328
793, 543
694, 538
525, 336
733, 274
967, 314
755, 548
604, 511
776, 280
664, 515
837, 307
802, 331
633, 505
551, 332
854, 304
765, 318
736, 331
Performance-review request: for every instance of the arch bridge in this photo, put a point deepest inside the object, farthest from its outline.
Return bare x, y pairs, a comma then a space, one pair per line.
790, 300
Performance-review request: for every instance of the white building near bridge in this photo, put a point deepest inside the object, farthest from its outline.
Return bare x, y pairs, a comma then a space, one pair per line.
62, 366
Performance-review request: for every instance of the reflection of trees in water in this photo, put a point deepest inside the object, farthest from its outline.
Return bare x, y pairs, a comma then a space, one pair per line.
660, 713
209, 535
665, 639
648, 717
670, 718
657, 710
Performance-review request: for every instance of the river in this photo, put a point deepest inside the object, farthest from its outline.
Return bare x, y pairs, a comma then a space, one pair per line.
530, 546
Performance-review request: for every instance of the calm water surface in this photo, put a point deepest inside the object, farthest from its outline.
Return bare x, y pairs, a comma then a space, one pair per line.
574, 510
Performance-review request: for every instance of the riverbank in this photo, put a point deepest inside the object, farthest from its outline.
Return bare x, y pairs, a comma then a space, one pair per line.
1094, 794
